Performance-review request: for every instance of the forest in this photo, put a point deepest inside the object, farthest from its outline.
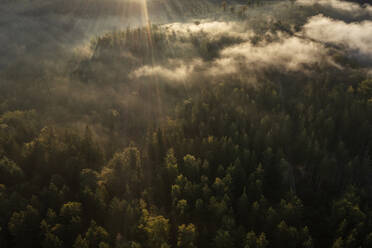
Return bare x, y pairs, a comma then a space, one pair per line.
161, 124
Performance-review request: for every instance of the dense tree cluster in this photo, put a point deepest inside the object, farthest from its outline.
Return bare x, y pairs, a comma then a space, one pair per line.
285, 162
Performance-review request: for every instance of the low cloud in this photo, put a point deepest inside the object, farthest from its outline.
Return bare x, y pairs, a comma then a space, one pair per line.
350, 8
290, 54
39, 34
357, 37
178, 73
215, 28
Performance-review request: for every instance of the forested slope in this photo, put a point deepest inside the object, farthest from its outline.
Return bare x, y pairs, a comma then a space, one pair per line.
242, 131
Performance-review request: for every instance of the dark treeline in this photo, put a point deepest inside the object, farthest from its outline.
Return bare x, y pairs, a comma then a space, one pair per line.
93, 155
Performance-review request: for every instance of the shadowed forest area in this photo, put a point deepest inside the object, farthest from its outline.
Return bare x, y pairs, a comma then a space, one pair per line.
134, 124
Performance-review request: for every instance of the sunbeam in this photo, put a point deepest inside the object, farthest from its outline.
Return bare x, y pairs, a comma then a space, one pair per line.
147, 22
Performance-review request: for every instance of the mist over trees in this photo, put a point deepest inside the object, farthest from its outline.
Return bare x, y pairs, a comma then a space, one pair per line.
220, 124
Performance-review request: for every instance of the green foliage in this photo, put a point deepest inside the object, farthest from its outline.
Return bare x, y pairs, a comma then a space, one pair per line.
123, 173
223, 239
10, 172
186, 236
24, 226
96, 236
71, 221
171, 165
365, 89
254, 241
81, 242
156, 229
52, 241
70, 210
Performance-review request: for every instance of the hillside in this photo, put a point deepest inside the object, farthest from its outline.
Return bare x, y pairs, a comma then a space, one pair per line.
173, 124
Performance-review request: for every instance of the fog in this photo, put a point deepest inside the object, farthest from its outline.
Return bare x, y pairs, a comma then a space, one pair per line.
314, 43
356, 37
51, 29
47, 47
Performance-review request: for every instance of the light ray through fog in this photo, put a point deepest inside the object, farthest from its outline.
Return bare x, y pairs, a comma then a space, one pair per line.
146, 19
147, 24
